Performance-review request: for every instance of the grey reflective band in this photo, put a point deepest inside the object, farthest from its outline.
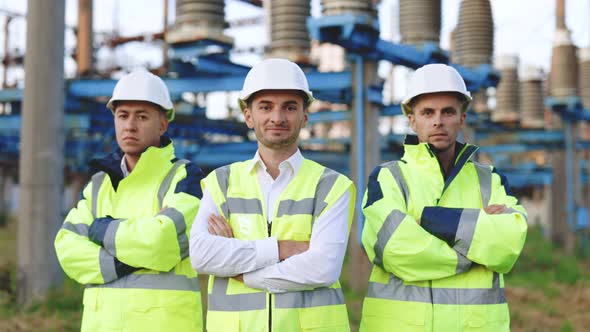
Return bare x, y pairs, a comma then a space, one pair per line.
219, 300
484, 173
107, 266
307, 299
465, 230
222, 175
96, 183
496, 280
324, 186
180, 225
161, 281
513, 210
244, 205
165, 185
291, 207
80, 229
393, 220
396, 172
396, 290
108, 242
463, 264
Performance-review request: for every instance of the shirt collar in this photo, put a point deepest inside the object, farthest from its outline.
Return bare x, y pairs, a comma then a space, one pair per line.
124, 168
294, 162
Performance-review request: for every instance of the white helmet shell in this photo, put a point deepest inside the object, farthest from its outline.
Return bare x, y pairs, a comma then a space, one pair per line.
274, 74
433, 78
142, 85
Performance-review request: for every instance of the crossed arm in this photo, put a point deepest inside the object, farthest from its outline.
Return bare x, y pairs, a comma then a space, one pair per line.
426, 248
99, 250
268, 264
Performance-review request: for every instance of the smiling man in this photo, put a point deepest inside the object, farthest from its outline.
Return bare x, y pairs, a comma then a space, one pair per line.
127, 238
440, 228
272, 231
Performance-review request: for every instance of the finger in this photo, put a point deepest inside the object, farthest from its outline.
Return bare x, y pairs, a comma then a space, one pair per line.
211, 230
223, 226
216, 228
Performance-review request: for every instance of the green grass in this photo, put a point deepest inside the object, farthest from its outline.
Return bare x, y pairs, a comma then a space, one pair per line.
539, 288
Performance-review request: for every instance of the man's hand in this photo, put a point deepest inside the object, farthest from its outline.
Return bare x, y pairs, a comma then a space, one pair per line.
495, 209
218, 226
239, 277
290, 248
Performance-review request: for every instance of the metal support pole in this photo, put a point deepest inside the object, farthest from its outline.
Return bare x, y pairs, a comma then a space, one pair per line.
360, 144
569, 175
41, 161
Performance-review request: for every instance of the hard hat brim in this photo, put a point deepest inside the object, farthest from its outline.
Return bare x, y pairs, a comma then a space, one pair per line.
243, 100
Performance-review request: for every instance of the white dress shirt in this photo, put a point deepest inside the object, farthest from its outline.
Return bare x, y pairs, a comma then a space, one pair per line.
258, 260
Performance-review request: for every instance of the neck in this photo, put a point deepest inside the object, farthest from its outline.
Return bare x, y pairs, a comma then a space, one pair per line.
446, 158
272, 158
130, 161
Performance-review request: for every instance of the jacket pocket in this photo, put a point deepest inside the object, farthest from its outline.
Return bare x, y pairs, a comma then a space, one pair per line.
328, 318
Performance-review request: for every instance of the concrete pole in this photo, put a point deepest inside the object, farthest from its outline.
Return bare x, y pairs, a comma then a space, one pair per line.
6, 51
41, 156
84, 38
165, 44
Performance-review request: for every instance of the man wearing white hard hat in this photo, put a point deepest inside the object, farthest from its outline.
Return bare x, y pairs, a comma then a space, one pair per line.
272, 231
127, 238
440, 228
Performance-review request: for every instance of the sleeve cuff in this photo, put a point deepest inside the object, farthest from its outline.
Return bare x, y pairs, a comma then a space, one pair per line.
97, 230
267, 252
441, 222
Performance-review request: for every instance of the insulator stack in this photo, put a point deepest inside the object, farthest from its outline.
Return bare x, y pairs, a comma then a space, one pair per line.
195, 20
563, 79
532, 98
420, 21
473, 39
357, 7
507, 91
288, 30
584, 76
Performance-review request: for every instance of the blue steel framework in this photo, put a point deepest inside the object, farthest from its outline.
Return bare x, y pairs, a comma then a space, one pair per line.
199, 70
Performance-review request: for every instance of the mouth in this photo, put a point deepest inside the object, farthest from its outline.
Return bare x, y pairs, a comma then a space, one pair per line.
127, 139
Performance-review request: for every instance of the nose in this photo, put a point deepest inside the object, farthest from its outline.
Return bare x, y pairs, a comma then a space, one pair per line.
130, 124
277, 116
437, 120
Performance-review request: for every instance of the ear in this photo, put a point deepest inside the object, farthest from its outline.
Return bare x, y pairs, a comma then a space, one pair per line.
305, 117
412, 119
248, 117
163, 124
462, 120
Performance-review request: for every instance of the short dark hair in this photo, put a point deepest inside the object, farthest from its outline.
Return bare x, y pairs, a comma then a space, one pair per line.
302, 94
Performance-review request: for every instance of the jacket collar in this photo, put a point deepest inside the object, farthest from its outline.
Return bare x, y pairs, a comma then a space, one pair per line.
111, 164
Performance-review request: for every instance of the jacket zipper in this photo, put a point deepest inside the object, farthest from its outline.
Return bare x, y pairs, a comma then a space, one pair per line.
269, 294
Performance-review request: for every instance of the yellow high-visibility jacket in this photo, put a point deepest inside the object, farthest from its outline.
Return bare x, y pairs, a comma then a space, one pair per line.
127, 240
235, 307
438, 257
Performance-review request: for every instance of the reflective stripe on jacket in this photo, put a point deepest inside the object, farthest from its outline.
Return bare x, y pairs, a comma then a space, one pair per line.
236, 307
438, 257
127, 240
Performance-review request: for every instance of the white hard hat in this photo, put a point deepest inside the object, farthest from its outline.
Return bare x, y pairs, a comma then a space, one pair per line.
274, 74
142, 85
432, 78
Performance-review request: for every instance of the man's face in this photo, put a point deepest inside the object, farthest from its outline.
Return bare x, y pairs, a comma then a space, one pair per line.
437, 119
277, 117
138, 125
